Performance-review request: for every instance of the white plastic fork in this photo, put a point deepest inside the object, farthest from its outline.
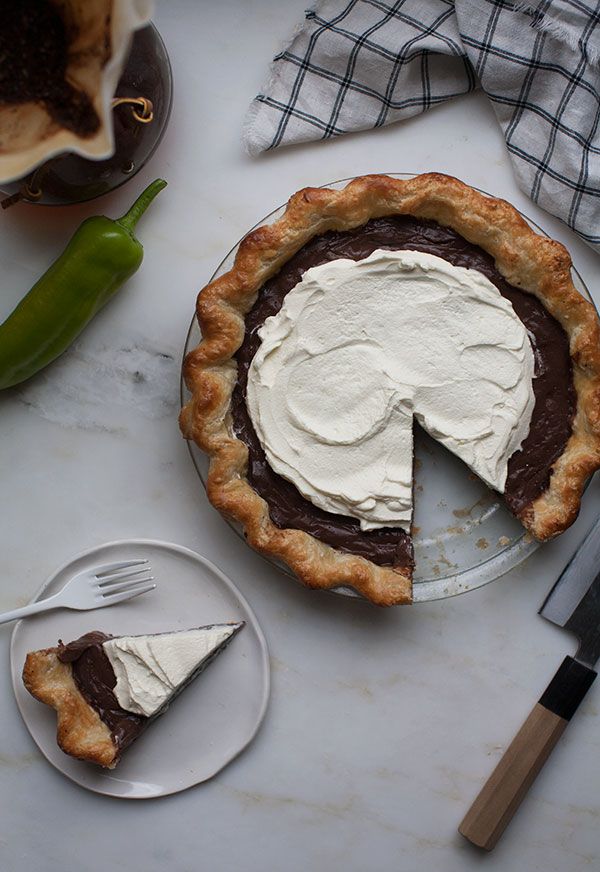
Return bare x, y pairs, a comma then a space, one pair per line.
94, 589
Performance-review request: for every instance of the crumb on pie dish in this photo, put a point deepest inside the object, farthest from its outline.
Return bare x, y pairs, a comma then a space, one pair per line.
107, 689
359, 312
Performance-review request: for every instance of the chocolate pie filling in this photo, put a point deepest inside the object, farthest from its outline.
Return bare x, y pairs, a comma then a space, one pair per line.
95, 678
528, 469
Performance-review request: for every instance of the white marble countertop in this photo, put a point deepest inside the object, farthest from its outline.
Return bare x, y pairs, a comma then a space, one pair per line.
383, 724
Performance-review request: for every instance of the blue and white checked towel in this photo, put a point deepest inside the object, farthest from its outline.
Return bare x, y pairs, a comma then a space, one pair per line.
359, 64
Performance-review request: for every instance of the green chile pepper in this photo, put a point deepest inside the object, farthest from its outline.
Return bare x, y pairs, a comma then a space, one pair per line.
100, 257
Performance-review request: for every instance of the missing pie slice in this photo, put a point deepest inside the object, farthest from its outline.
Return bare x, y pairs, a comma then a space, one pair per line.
107, 689
364, 309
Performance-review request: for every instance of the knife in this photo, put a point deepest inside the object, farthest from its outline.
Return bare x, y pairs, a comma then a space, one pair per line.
573, 603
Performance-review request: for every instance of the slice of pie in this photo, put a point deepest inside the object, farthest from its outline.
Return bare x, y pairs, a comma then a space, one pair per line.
359, 312
107, 689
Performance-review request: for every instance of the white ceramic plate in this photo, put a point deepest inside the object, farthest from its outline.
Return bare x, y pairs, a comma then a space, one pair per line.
464, 536
212, 721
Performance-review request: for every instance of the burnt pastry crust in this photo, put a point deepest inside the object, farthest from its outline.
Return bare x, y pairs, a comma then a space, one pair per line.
526, 260
80, 730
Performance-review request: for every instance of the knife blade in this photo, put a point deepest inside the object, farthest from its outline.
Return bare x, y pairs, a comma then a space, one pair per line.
573, 603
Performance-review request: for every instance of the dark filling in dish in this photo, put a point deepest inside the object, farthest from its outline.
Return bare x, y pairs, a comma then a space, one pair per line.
528, 469
33, 65
95, 678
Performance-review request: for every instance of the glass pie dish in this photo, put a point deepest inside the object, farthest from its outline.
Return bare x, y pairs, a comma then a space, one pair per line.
463, 534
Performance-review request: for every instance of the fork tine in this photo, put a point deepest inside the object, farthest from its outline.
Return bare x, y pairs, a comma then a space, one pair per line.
104, 583
124, 585
120, 597
115, 567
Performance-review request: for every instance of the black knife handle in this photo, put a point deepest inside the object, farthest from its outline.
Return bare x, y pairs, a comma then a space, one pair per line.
568, 687
520, 764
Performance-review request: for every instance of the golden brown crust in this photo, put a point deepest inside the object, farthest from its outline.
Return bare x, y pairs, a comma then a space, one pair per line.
527, 260
80, 731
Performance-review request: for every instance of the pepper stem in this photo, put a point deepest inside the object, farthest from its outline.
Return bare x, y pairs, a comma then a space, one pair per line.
131, 218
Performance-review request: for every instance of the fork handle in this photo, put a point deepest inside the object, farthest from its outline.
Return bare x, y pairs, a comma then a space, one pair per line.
33, 608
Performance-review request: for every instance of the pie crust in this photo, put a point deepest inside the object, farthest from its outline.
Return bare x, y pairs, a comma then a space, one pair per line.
80, 731
525, 259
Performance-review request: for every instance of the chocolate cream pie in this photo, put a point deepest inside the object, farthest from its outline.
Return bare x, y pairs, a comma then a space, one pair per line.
107, 689
357, 313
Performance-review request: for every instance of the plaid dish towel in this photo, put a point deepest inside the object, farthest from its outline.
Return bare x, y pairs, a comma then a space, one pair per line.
359, 64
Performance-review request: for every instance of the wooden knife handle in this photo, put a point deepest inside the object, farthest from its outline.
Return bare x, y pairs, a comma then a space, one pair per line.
506, 787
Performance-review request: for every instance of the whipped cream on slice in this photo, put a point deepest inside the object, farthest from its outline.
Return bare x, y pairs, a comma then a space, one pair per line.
360, 348
151, 670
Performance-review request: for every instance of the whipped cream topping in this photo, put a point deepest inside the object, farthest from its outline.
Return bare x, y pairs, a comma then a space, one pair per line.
150, 670
358, 349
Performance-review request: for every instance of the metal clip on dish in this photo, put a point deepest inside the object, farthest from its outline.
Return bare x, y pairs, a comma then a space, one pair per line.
146, 110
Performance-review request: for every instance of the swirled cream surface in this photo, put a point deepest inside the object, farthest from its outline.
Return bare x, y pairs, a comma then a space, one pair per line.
150, 670
360, 348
